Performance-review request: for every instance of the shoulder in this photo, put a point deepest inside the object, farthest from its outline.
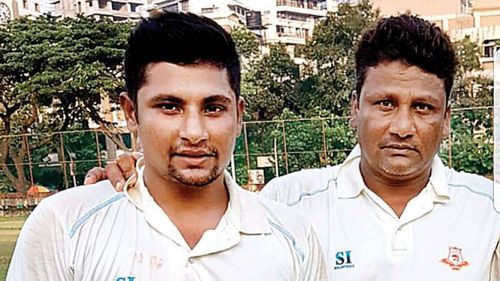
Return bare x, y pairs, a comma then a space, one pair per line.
476, 191
66, 207
471, 184
292, 188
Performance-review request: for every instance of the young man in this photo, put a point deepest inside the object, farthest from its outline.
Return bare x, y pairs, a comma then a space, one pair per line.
392, 210
186, 219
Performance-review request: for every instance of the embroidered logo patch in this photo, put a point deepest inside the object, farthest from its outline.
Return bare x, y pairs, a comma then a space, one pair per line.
455, 260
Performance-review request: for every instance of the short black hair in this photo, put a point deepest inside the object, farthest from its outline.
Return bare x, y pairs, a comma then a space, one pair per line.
412, 40
182, 39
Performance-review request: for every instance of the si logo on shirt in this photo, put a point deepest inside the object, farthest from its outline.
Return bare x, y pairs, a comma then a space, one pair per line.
128, 278
343, 260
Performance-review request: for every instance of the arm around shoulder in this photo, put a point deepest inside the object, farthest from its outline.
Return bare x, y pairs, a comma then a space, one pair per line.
42, 248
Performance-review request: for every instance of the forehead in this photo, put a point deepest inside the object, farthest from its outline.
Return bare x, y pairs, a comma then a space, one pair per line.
396, 77
185, 81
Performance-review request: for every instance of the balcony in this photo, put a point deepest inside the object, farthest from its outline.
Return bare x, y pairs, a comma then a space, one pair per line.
301, 7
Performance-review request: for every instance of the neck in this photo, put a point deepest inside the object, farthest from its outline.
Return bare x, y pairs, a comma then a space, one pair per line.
396, 191
176, 197
193, 210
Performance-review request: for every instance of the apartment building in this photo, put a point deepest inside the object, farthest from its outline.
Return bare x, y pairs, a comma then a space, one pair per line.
117, 10
478, 19
289, 21
227, 13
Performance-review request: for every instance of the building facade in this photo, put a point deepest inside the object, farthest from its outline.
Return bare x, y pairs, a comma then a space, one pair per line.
477, 19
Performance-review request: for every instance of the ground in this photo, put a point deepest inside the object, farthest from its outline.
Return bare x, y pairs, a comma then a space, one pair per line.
9, 230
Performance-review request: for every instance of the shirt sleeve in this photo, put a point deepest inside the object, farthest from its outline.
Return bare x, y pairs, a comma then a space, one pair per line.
314, 262
41, 251
495, 265
271, 190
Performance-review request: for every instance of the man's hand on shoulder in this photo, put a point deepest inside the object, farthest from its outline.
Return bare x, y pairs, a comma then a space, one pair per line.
117, 172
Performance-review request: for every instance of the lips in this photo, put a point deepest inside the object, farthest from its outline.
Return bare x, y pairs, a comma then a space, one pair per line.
399, 147
194, 153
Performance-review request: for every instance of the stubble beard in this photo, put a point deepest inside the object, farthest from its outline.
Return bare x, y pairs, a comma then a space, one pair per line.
195, 181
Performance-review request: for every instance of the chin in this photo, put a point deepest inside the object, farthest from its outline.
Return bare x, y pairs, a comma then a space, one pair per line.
399, 170
196, 178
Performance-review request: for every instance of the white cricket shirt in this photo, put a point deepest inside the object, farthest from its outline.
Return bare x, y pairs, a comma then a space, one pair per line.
93, 233
450, 231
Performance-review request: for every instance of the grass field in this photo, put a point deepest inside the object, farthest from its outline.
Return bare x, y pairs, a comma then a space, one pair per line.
9, 230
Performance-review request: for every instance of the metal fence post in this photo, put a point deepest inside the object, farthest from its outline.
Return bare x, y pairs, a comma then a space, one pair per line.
285, 155
98, 149
63, 162
29, 159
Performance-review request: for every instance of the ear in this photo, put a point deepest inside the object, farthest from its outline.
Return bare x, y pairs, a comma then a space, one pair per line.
129, 110
353, 120
447, 120
240, 110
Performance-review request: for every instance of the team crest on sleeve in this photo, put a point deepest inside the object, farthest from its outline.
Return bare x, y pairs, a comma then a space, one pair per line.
455, 259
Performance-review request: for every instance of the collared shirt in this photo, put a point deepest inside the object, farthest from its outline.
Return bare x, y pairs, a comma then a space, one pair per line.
449, 231
94, 233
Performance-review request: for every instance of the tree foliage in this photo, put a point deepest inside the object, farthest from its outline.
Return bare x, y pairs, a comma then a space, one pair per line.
53, 74
271, 84
330, 74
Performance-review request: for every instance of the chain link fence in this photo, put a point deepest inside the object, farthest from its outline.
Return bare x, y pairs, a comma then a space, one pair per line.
264, 150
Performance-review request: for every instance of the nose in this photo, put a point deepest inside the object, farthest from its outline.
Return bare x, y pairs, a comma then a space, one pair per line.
402, 123
193, 129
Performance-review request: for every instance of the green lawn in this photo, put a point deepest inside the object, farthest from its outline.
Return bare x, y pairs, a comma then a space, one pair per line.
9, 230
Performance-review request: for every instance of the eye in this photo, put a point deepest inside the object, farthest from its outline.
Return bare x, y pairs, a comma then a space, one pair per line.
386, 104
214, 108
422, 107
169, 107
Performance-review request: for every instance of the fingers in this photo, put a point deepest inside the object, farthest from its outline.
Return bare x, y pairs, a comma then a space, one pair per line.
115, 175
136, 155
94, 175
123, 169
126, 162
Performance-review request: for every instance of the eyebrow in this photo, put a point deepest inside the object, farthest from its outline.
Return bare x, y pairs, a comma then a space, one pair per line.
171, 98
166, 97
423, 98
217, 99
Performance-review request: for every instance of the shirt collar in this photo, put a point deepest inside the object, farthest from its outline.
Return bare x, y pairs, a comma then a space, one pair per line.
349, 180
247, 209
350, 183
244, 211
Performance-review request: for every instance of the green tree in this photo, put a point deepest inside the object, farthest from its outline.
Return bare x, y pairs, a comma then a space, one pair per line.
53, 74
468, 53
329, 78
247, 43
270, 84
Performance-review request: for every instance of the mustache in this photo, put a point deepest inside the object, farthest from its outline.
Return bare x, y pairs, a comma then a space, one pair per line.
399, 145
194, 151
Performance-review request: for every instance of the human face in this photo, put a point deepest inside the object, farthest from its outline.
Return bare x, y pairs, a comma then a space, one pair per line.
187, 121
401, 118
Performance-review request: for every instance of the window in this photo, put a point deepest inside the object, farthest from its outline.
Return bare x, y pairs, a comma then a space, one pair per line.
280, 30
490, 47
171, 8
90, 3
25, 4
116, 6
185, 5
133, 7
102, 4
207, 10
37, 7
